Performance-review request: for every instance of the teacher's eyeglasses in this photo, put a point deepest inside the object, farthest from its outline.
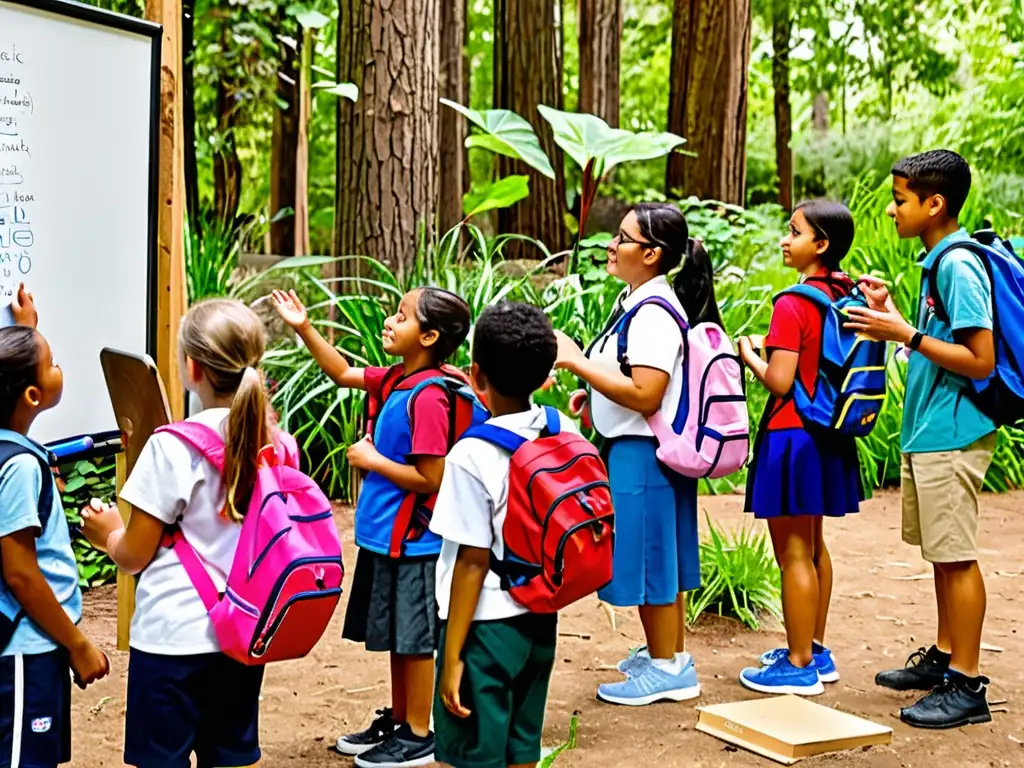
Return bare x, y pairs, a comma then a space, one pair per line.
623, 239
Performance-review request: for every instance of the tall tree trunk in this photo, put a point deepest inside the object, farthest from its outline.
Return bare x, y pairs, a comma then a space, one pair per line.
819, 113
600, 35
781, 31
526, 74
284, 145
191, 177
387, 141
452, 125
227, 168
302, 247
707, 103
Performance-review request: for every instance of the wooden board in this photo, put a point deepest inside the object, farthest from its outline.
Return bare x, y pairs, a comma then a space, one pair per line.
140, 406
789, 728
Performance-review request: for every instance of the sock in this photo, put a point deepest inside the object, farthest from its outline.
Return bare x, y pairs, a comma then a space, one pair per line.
683, 659
973, 684
671, 666
817, 647
643, 652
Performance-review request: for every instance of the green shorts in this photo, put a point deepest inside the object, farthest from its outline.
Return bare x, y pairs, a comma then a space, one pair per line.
505, 686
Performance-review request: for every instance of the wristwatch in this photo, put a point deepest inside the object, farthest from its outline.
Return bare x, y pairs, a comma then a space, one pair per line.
915, 341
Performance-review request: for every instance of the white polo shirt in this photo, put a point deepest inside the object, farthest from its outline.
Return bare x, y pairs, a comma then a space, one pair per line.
654, 341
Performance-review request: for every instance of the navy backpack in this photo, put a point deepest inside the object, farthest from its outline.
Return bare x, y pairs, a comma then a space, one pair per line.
850, 387
1000, 396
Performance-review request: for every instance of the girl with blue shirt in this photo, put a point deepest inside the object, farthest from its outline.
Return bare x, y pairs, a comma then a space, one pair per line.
40, 601
656, 557
392, 606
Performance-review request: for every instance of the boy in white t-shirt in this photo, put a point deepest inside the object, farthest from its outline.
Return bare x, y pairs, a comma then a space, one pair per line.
495, 657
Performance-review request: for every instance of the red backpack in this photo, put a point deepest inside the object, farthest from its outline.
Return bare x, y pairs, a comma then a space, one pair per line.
559, 526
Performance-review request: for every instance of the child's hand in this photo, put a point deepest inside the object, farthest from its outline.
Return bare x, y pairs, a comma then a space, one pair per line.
23, 307
877, 293
747, 352
363, 454
99, 521
886, 325
89, 664
451, 681
289, 306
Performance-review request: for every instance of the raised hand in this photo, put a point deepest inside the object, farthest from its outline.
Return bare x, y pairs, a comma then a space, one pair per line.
289, 306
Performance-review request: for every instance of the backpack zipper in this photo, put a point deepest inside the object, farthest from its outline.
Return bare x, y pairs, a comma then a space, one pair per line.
560, 550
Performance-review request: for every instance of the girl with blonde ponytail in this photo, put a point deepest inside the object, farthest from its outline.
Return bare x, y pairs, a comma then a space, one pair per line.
184, 696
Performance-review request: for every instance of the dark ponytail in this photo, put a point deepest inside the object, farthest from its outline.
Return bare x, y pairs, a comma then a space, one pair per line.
665, 226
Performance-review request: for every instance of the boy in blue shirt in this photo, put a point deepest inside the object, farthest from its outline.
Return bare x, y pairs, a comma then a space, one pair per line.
40, 601
947, 442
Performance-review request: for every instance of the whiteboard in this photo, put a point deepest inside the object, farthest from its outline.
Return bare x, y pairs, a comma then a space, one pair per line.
79, 110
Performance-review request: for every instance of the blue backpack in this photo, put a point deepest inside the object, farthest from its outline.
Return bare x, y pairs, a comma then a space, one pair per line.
8, 450
1000, 396
849, 390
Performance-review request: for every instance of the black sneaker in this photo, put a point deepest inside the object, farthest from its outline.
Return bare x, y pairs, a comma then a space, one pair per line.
357, 743
957, 701
923, 671
403, 749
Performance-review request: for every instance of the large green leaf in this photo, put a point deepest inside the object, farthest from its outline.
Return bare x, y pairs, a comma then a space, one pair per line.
586, 137
349, 91
505, 133
500, 194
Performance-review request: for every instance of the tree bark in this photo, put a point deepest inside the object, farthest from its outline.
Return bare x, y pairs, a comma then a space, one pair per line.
526, 74
284, 146
302, 246
708, 99
452, 125
387, 141
819, 113
600, 36
781, 32
227, 167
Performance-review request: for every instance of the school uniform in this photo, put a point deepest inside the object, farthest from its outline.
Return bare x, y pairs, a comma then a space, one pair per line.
656, 545
392, 605
795, 471
35, 676
184, 695
947, 442
509, 652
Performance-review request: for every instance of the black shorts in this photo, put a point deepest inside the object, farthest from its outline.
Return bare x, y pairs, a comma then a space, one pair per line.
207, 704
392, 606
35, 709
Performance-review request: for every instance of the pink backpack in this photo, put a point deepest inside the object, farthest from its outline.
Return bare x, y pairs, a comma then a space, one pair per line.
285, 580
710, 436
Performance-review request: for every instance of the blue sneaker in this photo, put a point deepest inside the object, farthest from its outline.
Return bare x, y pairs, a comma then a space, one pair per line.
783, 677
634, 664
650, 685
823, 660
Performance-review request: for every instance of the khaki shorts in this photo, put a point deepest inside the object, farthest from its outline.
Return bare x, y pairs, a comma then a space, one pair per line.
940, 500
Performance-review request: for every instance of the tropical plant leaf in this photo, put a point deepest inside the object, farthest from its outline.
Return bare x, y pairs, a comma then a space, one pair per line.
349, 91
587, 137
309, 18
506, 133
500, 194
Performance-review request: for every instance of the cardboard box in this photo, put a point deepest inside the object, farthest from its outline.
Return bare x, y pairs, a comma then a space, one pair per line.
789, 728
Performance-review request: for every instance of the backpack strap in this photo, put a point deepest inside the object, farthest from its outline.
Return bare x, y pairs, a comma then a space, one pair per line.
627, 319
809, 292
931, 281
204, 439
44, 509
194, 567
511, 441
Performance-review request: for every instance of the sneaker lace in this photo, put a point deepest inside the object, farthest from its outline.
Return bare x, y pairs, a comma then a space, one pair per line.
917, 657
384, 722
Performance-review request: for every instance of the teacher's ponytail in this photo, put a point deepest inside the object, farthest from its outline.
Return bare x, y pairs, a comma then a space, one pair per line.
694, 283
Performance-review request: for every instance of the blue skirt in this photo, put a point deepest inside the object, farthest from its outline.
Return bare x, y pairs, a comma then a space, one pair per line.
656, 547
794, 474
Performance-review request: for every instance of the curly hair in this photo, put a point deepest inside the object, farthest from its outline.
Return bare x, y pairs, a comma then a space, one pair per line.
514, 346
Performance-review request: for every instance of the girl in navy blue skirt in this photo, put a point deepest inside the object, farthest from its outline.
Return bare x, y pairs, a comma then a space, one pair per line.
797, 477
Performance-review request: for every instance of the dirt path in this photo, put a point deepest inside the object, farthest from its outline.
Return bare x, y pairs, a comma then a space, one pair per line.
879, 615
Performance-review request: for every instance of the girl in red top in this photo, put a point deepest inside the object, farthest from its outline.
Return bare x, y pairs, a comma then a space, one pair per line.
798, 477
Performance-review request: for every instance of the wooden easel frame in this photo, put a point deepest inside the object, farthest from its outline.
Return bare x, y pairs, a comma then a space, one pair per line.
140, 405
